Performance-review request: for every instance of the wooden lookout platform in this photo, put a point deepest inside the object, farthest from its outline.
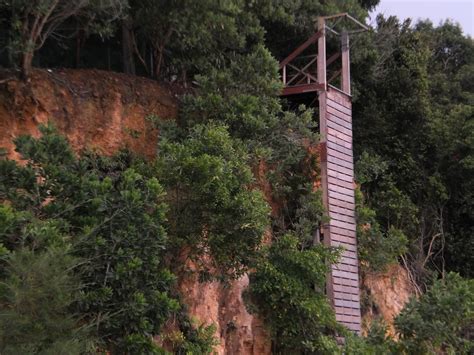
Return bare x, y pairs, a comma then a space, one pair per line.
306, 70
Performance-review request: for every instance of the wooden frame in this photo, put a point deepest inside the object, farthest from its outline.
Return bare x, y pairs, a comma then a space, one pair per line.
336, 158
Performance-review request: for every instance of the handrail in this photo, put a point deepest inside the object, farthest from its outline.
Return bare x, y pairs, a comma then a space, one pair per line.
301, 48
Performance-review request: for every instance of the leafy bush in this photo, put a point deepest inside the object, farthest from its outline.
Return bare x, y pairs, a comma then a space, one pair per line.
376, 249
288, 289
37, 292
214, 211
113, 215
441, 320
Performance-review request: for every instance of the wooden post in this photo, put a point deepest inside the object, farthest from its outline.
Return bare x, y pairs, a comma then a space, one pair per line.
346, 66
322, 52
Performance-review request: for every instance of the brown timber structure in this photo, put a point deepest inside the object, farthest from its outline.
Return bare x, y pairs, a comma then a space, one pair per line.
302, 74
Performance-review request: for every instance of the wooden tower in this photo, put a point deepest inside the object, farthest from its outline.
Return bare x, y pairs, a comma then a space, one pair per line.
303, 74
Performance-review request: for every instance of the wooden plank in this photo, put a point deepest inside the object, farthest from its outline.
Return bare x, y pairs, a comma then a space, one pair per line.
344, 122
333, 194
346, 267
342, 210
344, 204
339, 182
344, 306
349, 321
333, 58
300, 89
344, 245
341, 190
344, 225
340, 169
340, 176
337, 239
340, 197
341, 108
322, 51
334, 146
343, 232
346, 289
339, 96
333, 139
339, 128
347, 296
339, 155
339, 114
334, 165
341, 136
350, 261
346, 67
341, 217
348, 304
347, 311
345, 282
331, 158
349, 254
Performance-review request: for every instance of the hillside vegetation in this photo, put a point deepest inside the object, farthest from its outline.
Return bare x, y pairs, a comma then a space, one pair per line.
91, 246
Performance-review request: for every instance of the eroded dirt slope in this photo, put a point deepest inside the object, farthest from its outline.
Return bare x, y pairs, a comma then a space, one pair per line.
95, 109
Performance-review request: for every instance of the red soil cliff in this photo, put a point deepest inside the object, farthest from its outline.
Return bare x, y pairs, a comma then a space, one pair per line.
106, 111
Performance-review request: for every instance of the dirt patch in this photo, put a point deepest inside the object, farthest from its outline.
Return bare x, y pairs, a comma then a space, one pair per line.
386, 293
100, 110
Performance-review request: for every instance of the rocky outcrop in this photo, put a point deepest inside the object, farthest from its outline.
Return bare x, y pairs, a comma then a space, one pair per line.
385, 294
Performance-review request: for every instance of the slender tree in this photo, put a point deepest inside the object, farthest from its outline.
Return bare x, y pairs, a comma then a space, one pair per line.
33, 22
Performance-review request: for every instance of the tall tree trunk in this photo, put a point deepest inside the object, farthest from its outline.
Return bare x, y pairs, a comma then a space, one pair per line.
127, 48
26, 64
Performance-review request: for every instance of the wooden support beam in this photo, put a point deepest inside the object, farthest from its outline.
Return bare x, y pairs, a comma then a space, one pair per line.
322, 51
301, 89
333, 58
346, 65
301, 48
334, 76
301, 71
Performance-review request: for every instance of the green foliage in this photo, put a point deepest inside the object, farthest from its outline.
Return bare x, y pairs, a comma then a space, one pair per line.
198, 339
377, 342
441, 319
243, 96
413, 113
214, 211
37, 292
188, 35
288, 289
439, 322
376, 249
288, 285
114, 215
